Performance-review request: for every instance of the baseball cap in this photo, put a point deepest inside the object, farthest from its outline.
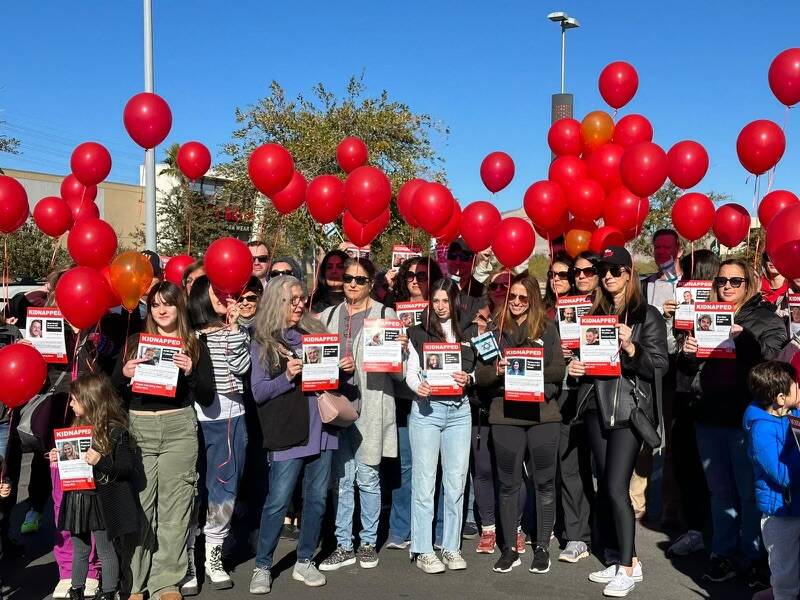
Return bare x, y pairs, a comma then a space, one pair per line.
616, 255
155, 260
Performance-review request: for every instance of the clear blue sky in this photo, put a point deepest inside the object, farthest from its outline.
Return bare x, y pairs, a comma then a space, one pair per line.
485, 69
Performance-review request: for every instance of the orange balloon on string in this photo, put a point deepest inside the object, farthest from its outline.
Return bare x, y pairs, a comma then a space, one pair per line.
131, 275
577, 241
597, 128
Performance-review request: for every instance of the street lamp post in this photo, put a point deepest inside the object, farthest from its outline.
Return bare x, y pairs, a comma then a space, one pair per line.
562, 103
150, 155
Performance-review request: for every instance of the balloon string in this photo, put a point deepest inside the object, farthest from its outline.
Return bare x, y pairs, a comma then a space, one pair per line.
755, 254
275, 241
56, 243
692, 259
505, 309
317, 264
471, 271
75, 360
5, 449
6, 271
428, 324
127, 334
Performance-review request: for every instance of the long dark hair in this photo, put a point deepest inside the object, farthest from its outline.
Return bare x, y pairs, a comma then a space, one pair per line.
431, 321
705, 267
102, 408
321, 290
401, 293
549, 295
535, 319
201, 310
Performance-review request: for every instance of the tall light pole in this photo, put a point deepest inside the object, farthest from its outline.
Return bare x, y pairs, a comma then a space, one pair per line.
562, 103
149, 155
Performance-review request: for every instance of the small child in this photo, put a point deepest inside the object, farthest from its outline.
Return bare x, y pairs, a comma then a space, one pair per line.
110, 510
776, 468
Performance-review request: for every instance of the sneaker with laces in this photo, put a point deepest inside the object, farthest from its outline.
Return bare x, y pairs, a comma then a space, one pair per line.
189, 585
573, 552
31, 522
520, 542
340, 558
367, 556
62, 589
92, 586
454, 560
397, 544
608, 574
507, 561
215, 573
689, 543
487, 542
469, 531
719, 569
306, 571
261, 581
620, 586
541, 560
430, 563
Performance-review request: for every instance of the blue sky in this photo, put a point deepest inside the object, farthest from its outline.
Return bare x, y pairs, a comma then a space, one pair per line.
485, 69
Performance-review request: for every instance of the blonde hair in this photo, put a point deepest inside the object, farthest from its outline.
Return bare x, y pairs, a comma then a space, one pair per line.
750, 277
536, 319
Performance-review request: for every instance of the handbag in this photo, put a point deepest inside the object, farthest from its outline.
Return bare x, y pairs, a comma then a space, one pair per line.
336, 409
35, 423
640, 422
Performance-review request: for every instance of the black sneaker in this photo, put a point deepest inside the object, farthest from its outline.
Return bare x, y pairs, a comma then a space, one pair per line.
507, 561
541, 560
719, 569
290, 532
367, 556
758, 576
470, 531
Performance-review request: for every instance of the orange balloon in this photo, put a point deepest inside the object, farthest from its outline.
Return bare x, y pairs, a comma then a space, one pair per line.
131, 275
597, 128
577, 241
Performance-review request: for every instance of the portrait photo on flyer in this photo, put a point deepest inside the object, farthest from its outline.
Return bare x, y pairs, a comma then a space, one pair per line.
524, 377
441, 360
382, 350
320, 362
71, 446
157, 373
599, 345
45, 332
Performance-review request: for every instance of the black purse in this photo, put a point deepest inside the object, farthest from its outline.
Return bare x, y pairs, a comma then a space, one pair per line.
640, 422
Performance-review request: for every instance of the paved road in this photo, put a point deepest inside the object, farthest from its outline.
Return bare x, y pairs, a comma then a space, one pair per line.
33, 577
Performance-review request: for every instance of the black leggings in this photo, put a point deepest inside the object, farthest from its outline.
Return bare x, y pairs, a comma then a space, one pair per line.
510, 443
615, 452
483, 474
81, 545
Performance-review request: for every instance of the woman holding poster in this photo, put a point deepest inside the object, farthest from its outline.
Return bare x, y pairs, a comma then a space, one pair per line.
720, 393
439, 425
520, 427
607, 404
297, 440
165, 428
373, 436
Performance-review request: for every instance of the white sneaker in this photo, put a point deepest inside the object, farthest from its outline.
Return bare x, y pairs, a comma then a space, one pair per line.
608, 574
62, 589
91, 587
689, 543
453, 560
620, 586
215, 574
430, 563
189, 585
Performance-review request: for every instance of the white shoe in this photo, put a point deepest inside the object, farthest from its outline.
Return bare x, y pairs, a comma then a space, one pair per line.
608, 574
620, 586
430, 563
62, 589
189, 585
215, 574
91, 587
453, 560
689, 543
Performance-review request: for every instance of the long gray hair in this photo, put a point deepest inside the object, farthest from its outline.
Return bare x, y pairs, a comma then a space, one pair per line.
270, 322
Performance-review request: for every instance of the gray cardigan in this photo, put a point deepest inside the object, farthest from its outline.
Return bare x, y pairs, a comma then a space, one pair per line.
376, 426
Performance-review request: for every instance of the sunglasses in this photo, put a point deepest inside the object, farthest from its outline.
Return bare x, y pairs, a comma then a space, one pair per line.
498, 285
614, 270
419, 275
460, 256
562, 275
586, 271
252, 298
521, 298
359, 279
736, 282
279, 273
262, 258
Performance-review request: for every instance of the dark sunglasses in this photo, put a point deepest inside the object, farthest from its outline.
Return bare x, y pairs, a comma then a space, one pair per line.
586, 271
522, 298
615, 270
497, 285
419, 275
736, 282
249, 298
279, 273
562, 275
263, 258
359, 279
460, 255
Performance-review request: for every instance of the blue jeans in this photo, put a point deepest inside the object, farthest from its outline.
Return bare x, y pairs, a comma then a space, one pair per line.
735, 517
283, 476
436, 427
349, 472
400, 516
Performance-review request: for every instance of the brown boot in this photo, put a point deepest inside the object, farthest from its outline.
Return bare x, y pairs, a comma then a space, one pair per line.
171, 596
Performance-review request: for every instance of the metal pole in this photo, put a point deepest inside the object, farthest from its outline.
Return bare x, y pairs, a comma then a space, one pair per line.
150, 155
563, 55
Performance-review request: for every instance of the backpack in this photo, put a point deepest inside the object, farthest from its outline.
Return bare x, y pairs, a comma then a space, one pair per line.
35, 421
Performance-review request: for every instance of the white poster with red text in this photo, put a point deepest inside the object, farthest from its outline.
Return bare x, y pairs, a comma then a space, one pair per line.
320, 362
794, 314
569, 310
157, 373
600, 345
712, 330
382, 351
45, 332
410, 313
687, 295
401, 254
524, 374
71, 446
441, 360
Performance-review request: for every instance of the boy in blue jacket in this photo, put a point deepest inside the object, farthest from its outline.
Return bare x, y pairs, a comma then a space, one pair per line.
776, 466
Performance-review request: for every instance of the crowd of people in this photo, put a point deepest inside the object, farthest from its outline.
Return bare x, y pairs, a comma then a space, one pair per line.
242, 447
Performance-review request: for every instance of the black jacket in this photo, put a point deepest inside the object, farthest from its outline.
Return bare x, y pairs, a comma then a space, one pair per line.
718, 385
614, 395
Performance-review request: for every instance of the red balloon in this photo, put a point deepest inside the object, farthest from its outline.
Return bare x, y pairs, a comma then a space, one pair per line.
644, 168
693, 215
585, 199
351, 153
451, 231
291, 197
773, 203
555, 231
433, 205
90, 163
23, 374
72, 188
325, 198
632, 129
194, 160
783, 242
497, 171
271, 168
624, 210
760, 146
367, 193
85, 209
582, 224
604, 237
92, 243
564, 137
362, 234
566, 170
173, 270
618, 84
513, 242
731, 224
78, 298
114, 299
784, 76
478, 222
405, 200
228, 264
14, 209
52, 216
603, 166
147, 119
545, 204
688, 163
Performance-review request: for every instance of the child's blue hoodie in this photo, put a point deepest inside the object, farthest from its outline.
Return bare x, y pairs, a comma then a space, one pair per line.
776, 462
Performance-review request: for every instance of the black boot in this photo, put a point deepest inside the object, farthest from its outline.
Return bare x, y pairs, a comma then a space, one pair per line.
76, 593
106, 596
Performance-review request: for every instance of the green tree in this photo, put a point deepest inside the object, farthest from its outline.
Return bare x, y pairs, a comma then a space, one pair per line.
9, 144
30, 253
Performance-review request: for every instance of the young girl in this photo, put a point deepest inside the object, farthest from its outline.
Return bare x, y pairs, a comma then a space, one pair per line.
110, 510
